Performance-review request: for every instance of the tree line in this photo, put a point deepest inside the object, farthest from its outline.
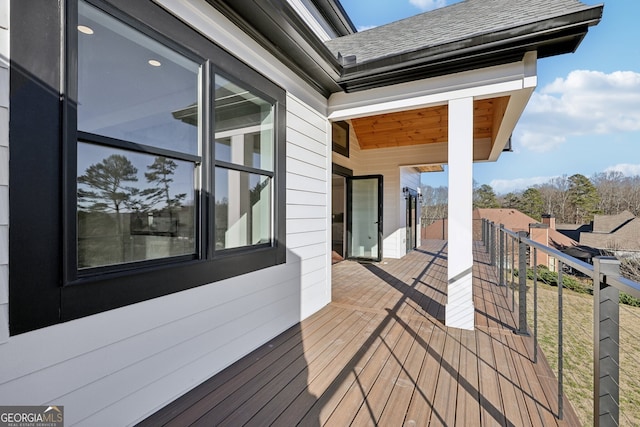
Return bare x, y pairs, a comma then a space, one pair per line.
571, 199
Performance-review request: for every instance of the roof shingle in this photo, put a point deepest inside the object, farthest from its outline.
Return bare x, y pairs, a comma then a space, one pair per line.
455, 23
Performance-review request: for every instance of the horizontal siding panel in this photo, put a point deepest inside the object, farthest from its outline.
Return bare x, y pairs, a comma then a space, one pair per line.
296, 138
305, 212
307, 252
294, 106
296, 226
313, 264
303, 127
305, 239
307, 156
300, 182
305, 169
295, 197
313, 278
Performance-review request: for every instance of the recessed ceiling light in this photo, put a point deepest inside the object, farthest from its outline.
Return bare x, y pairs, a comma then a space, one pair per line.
155, 62
84, 29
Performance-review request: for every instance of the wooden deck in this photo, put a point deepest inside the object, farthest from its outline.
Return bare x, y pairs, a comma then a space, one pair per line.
379, 354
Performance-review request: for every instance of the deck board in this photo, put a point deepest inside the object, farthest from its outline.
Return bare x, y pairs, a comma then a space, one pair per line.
380, 354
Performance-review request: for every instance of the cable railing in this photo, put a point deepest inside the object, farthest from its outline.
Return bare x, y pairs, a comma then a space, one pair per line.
511, 254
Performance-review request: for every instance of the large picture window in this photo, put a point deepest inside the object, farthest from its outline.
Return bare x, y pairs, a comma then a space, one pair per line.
171, 161
139, 129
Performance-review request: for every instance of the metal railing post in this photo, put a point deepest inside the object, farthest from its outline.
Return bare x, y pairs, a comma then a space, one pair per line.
522, 284
484, 232
502, 254
513, 269
535, 305
560, 343
492, 242
606, 336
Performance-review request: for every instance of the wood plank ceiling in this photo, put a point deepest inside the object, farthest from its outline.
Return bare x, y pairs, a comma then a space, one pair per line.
426, 125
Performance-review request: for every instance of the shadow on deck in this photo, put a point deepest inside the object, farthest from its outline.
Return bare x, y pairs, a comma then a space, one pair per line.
380, 354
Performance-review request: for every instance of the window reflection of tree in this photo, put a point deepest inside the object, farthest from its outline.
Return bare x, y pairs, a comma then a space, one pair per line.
100, 204
105, 199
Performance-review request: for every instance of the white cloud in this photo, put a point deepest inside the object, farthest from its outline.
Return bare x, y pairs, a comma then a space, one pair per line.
504, 186
365, 27
626, 169
583, 103
538, 141
428, 4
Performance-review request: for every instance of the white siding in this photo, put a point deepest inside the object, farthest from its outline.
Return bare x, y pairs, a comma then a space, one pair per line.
389, 162
117, 367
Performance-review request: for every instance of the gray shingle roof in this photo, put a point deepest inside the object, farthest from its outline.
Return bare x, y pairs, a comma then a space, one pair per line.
458, 22
610, 223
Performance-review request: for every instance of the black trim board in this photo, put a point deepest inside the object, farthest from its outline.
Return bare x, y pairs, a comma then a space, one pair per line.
35, 245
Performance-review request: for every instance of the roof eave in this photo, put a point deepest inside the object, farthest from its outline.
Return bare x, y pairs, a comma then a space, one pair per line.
550, 37
278, 29
336, 16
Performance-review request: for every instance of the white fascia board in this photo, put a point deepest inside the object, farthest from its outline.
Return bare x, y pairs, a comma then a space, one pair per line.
484, 83
308, 17
212, 24
517, 103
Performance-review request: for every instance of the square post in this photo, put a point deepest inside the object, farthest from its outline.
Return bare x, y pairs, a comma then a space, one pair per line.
606, 336
459, 310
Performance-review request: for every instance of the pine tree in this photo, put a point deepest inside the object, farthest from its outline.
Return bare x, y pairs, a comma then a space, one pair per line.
583, 198
485, 197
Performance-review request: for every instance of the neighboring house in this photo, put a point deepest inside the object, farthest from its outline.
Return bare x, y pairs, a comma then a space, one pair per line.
544, 233
168, 169
573, 231
619, 234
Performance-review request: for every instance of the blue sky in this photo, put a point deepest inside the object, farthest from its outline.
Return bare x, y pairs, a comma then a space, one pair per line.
584, 116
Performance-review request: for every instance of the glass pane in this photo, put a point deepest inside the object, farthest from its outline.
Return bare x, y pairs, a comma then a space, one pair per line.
243, 209
133, 207
244, 126
133, 88
364, 218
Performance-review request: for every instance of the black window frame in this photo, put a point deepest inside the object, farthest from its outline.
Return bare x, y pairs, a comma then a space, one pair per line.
45, 287
340, 147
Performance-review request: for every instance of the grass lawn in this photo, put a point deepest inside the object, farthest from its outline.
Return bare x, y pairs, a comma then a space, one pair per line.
578, 349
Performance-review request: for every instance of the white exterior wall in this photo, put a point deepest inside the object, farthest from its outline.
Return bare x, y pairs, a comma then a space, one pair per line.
389, 162
119, 366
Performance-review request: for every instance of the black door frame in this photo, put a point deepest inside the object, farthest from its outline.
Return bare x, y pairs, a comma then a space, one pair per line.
410, 196
345, 173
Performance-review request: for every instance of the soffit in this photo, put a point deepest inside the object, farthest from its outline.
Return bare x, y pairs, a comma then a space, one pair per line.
426, 125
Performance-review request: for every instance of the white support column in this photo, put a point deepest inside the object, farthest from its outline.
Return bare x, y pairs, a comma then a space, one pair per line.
459, 311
